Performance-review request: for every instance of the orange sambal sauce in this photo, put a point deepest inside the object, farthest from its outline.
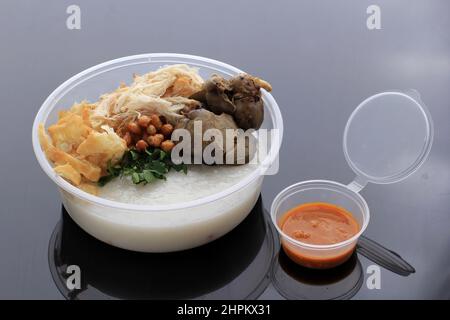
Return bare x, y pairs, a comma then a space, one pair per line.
318, 223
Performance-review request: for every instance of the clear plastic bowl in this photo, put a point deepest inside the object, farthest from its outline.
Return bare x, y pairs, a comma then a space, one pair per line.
319, 256
153, 228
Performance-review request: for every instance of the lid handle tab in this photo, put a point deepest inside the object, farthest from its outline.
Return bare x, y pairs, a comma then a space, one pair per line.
358, 184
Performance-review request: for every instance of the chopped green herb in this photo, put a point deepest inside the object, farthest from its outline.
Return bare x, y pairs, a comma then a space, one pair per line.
142, 167
180, 167
134, 154
148, 176
135, 177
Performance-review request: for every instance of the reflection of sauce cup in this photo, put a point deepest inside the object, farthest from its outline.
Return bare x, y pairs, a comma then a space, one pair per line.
319, 256
296, 282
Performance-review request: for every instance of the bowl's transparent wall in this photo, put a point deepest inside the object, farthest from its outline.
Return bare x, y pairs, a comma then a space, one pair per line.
167, 230
317, 192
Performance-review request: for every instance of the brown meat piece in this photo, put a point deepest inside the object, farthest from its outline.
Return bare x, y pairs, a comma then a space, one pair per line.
239, 96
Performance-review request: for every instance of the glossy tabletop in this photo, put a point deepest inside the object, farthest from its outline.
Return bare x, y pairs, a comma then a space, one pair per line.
321, 60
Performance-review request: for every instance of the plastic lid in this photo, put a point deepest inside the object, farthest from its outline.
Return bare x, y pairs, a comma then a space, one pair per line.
387, 137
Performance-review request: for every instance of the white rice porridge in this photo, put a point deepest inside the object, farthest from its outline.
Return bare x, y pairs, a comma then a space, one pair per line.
200, 181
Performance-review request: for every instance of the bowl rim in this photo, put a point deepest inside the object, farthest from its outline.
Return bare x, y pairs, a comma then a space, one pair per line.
50, 102
317, 185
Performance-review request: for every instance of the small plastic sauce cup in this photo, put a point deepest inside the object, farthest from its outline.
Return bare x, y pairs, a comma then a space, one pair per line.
386, 139
319, 256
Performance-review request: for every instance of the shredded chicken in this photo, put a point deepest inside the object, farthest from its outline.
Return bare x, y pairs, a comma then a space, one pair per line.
152, 91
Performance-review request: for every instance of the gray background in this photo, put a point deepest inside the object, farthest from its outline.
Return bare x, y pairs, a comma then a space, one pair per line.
321, 60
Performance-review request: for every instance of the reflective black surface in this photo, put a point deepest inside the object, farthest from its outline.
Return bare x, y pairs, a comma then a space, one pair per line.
321, 60
340, 283
295, 282
239, 265
235, 266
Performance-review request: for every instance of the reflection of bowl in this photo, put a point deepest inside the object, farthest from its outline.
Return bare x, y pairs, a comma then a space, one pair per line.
319, 256
144, 227
234, 266
296, 282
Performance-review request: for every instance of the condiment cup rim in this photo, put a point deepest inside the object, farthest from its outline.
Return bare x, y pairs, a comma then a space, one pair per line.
320, 184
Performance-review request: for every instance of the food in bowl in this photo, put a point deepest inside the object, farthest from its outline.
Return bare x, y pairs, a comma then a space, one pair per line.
173, 223
126, 137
